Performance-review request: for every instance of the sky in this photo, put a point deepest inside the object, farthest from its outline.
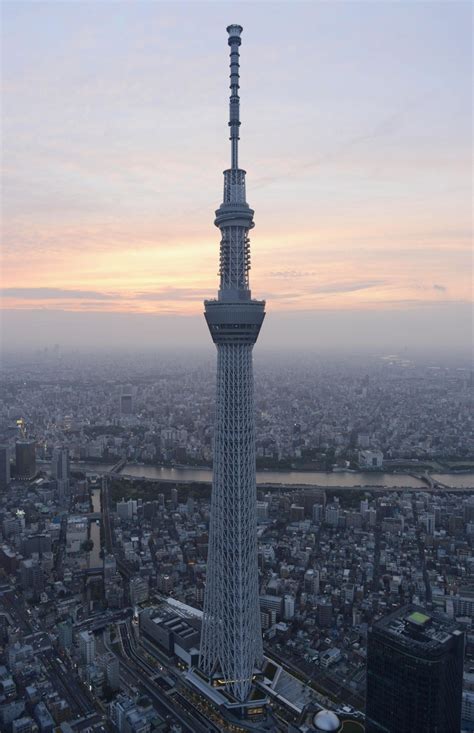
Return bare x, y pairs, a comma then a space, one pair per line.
356, 138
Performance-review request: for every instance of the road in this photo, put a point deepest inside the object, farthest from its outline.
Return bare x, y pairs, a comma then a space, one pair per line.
304, 671
421, 552
61, 674
104, 619
14, 605
147, 677
104, 498
65, 681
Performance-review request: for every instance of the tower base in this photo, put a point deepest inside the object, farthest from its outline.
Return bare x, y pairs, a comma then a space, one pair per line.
252, 715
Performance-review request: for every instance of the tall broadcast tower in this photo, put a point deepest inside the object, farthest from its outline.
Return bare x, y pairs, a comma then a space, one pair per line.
231, 642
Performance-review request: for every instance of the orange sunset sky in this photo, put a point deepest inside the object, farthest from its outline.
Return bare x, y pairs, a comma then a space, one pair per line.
356, 138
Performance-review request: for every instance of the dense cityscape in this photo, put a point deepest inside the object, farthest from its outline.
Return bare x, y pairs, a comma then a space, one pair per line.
317, 413
365, 506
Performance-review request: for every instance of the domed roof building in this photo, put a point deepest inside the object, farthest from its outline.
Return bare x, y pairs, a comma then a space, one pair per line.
326, 722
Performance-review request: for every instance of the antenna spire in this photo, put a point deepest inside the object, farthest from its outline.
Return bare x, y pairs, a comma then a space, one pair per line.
234, 41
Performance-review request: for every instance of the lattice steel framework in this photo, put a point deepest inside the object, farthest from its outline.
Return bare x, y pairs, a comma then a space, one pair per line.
231, 643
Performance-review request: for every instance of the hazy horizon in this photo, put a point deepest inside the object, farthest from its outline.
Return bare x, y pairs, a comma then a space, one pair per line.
316, 332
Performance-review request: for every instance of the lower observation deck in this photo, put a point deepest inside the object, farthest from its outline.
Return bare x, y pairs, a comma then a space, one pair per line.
236, 322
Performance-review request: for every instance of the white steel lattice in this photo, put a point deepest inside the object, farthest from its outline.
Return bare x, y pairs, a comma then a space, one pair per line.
231, 641
231, 644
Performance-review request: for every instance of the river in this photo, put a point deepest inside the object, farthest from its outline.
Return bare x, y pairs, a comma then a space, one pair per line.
288, 478
456, 480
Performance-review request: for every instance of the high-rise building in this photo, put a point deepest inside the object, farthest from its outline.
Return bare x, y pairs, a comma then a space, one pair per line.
428, 521
325, 613
4, 466
60, 470
31, 576
289, 608
126, 509
262, 511
231, 642
174, 498
87, 647
109, 663
468, 710
110, 567
60, 463
139, 590
414, 674
311, 581
317, 513
25, 459
65, 634
332, 514
127, 405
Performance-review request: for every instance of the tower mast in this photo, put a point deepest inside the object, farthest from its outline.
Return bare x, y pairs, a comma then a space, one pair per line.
234, 32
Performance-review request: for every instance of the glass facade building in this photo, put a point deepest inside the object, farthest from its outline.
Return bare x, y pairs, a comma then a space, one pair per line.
414, 674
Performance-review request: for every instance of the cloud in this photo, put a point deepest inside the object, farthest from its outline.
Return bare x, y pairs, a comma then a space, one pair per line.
54, 293
349, 287
173, 294
441, 288
291, 273
165, 294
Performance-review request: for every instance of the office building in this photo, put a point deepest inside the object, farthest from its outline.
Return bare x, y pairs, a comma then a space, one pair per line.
370, 460
311, 581
127, 402
25, 459
414, 674
65, 634
289, 608
262, 511
60, 471
87, 647
31, 576
127, 509
332, 514
22, 725
109, 664
60, 463
4, 466
139, 590
43, 718
325, 613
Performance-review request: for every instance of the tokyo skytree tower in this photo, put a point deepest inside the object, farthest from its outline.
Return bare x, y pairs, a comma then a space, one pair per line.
231, 642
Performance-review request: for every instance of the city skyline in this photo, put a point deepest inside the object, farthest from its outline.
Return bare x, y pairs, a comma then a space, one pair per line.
360, 142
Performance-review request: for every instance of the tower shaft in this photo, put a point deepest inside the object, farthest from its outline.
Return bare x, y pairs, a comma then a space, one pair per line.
231, 643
